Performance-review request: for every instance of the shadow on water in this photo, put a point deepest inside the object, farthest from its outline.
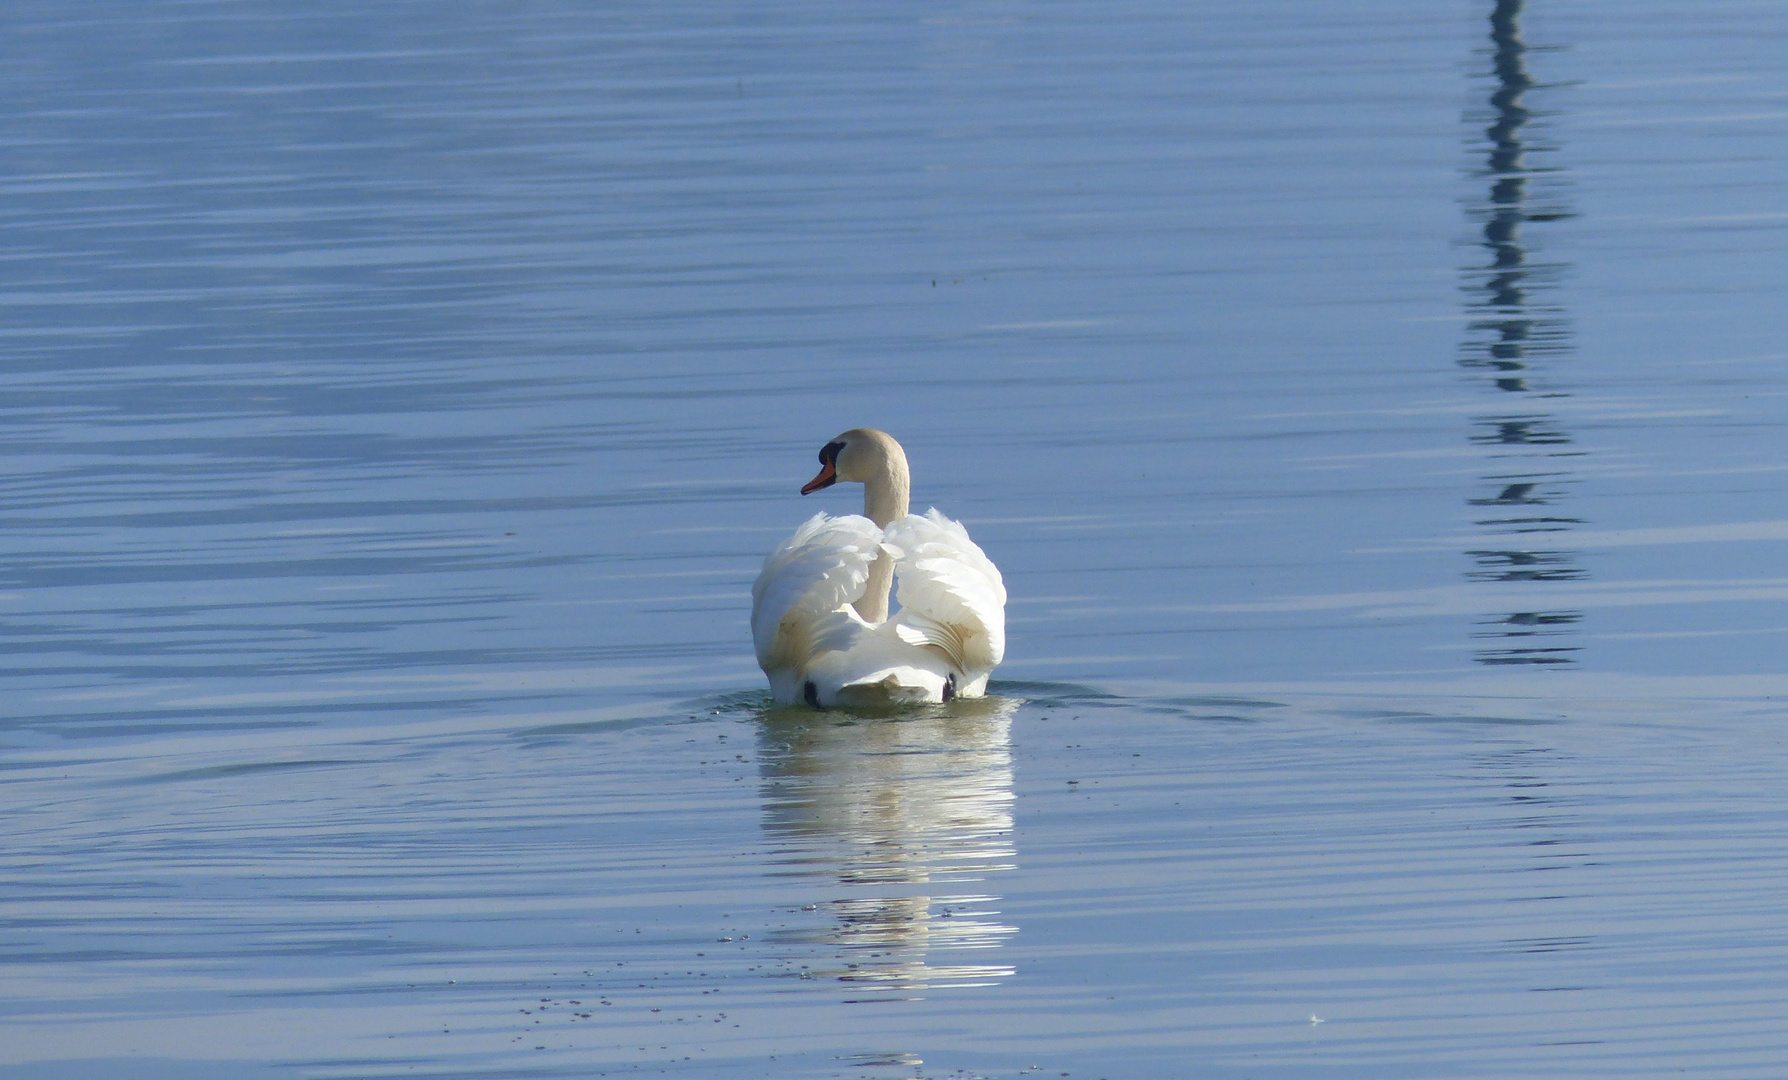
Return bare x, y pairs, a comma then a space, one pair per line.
1515, 330
907, 818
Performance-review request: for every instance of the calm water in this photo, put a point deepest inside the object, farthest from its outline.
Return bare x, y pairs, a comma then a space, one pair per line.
1377, 412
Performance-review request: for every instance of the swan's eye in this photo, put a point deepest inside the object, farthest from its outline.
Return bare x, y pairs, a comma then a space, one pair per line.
829, 453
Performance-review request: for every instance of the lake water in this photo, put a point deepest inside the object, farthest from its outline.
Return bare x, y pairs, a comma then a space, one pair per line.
1377, 412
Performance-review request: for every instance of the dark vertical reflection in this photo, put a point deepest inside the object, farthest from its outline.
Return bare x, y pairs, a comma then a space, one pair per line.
1515, 330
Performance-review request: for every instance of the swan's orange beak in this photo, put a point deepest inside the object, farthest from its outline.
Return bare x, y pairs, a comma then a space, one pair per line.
826, 478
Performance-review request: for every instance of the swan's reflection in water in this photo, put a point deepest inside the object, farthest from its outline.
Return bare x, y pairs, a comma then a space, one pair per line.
909, 819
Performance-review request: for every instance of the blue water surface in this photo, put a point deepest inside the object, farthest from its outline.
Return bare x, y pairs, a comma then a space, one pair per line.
1376, 412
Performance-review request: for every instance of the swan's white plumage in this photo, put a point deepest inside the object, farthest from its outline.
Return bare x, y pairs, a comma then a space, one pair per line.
950, 628
951, 595
823, 566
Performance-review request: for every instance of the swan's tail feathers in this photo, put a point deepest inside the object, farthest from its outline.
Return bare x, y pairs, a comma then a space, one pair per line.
891, 688
917, 629
951, 595
820, 569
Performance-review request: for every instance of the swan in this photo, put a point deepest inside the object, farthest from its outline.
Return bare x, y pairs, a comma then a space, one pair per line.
819, 608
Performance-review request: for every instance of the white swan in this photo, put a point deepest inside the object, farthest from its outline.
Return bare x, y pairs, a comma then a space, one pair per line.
819, 609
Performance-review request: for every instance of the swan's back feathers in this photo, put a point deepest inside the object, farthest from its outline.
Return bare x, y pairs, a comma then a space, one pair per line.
951, 595
820, 569
949, 633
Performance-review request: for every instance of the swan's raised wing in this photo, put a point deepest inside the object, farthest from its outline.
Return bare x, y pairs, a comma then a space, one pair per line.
951, 594
821, 568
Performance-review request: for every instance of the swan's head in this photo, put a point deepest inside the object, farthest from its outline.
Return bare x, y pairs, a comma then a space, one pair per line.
860, 455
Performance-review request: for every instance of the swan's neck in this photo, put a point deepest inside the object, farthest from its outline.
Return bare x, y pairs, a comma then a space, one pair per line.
885, 496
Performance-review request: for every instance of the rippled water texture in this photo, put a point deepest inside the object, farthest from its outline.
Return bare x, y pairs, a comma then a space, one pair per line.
1376, 410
